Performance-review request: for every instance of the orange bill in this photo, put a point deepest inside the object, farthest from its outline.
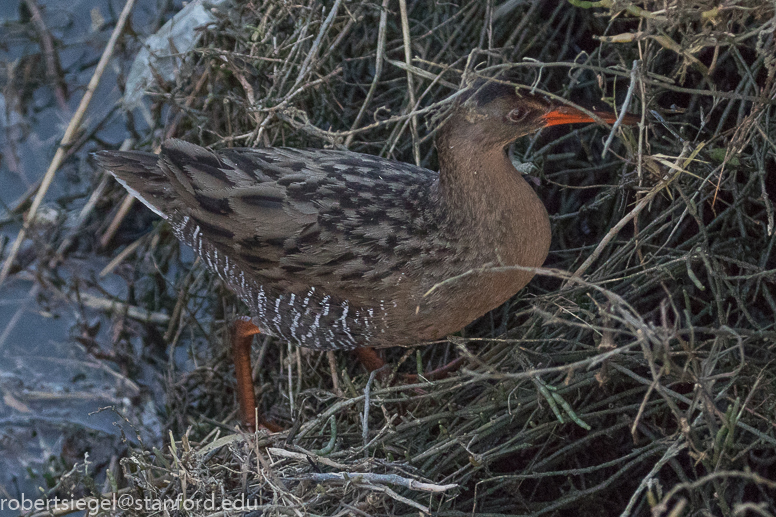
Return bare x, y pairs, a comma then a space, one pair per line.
568, 115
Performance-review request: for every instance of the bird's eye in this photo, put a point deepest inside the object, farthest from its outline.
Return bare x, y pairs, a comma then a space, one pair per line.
517, 114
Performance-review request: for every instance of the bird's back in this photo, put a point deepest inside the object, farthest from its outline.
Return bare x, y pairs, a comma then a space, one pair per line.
326, 247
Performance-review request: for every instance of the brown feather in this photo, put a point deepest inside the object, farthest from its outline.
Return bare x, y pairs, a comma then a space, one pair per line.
332, 249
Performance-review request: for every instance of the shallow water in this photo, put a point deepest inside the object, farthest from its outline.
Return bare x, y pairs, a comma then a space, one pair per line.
53, 383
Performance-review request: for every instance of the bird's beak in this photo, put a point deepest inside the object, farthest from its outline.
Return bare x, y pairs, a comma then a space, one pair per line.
568, 115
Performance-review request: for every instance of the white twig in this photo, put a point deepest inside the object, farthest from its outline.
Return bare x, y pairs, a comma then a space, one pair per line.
365, 417
624, 109
383, 479
670, 453
405, 32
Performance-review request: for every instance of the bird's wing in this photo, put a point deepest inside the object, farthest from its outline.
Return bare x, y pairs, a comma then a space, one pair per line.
288, 217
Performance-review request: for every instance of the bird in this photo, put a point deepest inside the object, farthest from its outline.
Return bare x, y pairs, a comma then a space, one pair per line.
332, 249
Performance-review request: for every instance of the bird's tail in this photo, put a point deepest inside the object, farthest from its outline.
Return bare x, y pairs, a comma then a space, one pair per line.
141, 175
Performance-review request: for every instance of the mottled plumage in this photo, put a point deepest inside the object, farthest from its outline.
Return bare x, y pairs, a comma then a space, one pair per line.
336, 250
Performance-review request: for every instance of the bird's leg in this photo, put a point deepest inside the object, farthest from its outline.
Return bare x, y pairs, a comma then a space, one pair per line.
369, 358
372, 361
242, 340
435, 375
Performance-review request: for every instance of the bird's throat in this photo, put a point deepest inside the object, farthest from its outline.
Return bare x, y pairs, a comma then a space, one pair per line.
490, 201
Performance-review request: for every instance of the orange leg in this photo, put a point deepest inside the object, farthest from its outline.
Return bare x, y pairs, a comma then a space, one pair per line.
244, 331
369, 358
438, 374
372, 362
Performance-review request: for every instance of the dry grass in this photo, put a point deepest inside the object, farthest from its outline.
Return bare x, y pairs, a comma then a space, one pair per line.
634, 375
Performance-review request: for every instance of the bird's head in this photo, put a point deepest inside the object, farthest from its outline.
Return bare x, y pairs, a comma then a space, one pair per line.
496, 114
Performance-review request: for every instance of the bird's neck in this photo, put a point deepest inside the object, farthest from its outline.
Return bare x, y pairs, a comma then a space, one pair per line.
485, 195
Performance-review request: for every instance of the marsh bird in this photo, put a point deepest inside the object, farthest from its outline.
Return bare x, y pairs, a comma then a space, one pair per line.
333, 249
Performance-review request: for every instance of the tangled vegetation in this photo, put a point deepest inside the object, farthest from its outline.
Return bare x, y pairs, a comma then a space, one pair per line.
635, 374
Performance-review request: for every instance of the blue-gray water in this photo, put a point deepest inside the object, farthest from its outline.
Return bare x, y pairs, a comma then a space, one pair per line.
52, 386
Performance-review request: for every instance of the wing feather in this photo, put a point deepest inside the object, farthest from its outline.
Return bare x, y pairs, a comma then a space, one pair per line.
309, 217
